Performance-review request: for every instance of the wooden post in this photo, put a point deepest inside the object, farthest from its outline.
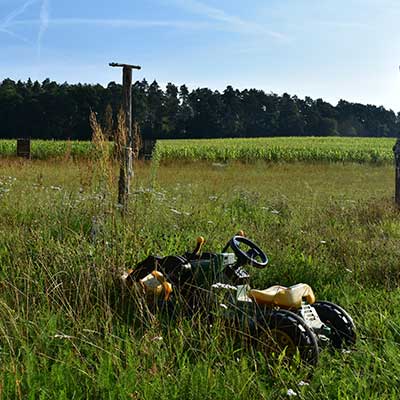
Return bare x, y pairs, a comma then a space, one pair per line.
24, 148
126, 167
396, 150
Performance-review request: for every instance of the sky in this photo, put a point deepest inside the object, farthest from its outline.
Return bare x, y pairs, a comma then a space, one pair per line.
330, 49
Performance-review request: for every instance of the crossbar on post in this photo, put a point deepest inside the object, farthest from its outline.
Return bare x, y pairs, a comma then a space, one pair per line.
126, 166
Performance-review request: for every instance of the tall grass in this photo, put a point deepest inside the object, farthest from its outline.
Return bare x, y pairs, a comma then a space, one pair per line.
69, 329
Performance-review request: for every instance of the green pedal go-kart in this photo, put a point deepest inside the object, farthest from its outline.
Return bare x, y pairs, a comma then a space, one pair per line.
274, 320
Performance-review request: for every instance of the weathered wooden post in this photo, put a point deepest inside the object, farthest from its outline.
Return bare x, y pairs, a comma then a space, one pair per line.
126, 167
396, 150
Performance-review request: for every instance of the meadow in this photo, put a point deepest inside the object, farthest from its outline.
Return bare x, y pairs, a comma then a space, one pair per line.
275, 149
68, 329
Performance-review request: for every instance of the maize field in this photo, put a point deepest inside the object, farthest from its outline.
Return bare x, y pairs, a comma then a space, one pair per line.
285, 149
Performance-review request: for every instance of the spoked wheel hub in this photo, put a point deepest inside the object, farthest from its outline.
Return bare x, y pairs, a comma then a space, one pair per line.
279, 342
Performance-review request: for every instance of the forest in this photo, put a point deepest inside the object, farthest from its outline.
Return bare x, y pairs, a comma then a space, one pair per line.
49, 110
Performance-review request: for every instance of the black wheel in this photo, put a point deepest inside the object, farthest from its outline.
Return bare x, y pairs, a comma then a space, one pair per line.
343, 330
280, 331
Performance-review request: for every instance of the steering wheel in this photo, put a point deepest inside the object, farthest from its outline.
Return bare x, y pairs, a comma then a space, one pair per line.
250, 256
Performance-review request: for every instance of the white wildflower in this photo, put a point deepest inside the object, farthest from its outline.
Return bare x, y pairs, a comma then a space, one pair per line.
302, 383
63, 336
220, 165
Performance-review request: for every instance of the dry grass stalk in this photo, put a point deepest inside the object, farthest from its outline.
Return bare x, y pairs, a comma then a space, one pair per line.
109, 122
137, 143
68, 150
104, 169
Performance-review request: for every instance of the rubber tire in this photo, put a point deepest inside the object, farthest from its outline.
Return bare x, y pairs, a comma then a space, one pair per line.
294, 327
340, 322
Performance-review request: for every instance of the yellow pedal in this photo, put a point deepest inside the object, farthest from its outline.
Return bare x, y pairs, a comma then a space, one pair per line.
199, 244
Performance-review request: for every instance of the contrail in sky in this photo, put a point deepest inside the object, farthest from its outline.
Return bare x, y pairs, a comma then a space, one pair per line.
11, 33
236, 23
18, 11
117, 23
44, 24
8, 20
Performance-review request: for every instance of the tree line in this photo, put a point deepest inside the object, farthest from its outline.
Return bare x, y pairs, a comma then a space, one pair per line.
49, 110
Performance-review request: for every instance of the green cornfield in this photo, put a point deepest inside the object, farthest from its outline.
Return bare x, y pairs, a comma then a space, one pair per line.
50, 149
286, 149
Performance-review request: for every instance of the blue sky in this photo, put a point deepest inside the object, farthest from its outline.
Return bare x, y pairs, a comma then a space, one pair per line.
332, 49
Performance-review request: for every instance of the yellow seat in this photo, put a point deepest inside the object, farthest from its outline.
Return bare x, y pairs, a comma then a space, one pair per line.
282, 296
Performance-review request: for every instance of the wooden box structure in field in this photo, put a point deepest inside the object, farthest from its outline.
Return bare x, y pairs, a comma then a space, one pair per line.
24, 148
147, 148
